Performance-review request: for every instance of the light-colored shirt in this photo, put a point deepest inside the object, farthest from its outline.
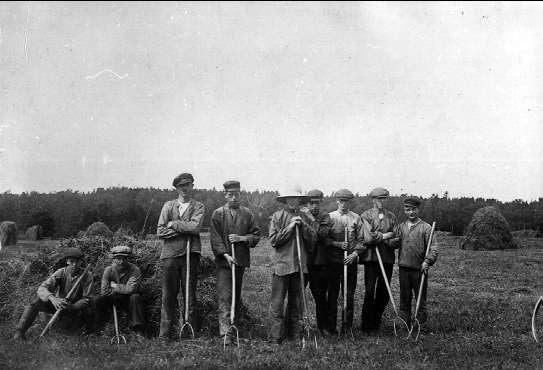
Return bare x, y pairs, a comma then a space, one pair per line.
414, 240
382, 222
184, 227
357, 230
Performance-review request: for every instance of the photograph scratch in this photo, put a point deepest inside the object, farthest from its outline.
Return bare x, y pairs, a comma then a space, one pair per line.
26, 30
104, 71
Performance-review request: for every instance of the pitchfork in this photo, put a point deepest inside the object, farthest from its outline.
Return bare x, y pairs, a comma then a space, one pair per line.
344, 318
306, 324
233, 304
187, 277
422, 280
534, 315
391, 297
117, 337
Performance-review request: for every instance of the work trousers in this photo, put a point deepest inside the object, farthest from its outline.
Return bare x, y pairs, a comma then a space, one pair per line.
224, 291
375, 295
131, 303
335, 280
73, 318
318, 283
174, 272
281, 286
409, 286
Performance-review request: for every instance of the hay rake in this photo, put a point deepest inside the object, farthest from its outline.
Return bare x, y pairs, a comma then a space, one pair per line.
233, 327
345, 272
306, 331
397, 317
534, 318
415, 321
186, 323
117, 338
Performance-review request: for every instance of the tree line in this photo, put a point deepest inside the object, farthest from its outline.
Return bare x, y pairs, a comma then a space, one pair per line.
65, 213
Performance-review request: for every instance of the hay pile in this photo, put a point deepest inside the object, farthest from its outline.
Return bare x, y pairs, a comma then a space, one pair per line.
98, 229
34, 233
488, 230
8, 233
20, 279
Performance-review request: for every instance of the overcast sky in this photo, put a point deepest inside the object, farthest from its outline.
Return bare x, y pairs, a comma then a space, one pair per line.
420, 98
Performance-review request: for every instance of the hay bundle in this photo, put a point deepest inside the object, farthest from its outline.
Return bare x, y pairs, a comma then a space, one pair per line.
34, 233
98, 229
488, 230
8, 233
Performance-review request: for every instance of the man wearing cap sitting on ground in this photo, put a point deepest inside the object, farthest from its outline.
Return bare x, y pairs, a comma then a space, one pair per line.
52, 294
382, 223
286, 269
357, 230
317, 262
180, 222
232, 226
412, 236
120, 287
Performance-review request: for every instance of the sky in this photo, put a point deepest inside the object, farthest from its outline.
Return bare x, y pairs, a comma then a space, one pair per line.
419, 98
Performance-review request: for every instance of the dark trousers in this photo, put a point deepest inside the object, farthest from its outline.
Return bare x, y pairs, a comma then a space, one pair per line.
281, 286
75, 317
131, 303
335, 280
224, 291
174, 272
409, 287
375, 294
318, 283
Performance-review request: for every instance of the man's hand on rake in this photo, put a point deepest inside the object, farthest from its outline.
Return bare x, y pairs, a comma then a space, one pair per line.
231, 260
424, 267
58, 303
350, 258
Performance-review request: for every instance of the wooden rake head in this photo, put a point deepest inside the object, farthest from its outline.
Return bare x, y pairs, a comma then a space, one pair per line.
534, 318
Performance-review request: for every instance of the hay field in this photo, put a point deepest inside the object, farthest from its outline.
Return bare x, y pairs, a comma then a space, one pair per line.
479, 303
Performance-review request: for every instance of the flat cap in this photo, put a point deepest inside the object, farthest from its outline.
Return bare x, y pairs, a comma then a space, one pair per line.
344, 194
412, 202
72, 253
232, 185
183, 179
315, 194
379, 193
121, 250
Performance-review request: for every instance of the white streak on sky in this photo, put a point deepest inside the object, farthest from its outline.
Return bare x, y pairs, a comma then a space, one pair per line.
104, 71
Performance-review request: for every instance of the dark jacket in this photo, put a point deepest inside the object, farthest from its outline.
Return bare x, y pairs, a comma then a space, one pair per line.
321, 224
381, 226
222, 224
413, 243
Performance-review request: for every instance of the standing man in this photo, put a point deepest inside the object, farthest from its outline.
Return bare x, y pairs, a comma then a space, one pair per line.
343, 218
53, 291
180, 222
317, 262
120, 287
382, 223
413, 235
231, 225
286, 269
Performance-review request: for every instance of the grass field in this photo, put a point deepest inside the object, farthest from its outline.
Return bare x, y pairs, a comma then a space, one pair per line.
479, 305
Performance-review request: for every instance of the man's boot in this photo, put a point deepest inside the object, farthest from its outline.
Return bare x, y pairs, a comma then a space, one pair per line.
27, 318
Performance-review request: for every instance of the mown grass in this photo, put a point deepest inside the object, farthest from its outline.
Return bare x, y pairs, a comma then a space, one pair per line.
479, 305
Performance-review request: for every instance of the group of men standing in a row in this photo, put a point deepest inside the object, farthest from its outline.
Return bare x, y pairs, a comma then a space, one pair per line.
327, 243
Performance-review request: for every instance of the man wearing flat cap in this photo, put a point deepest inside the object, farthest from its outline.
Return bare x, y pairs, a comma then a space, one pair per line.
179, 223
345, 224
53, 291
286, 269
412, 236
382, 223
232, 226
120, 287
317, 261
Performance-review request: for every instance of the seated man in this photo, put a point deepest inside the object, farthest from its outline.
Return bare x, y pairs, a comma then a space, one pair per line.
53, 291
120, 287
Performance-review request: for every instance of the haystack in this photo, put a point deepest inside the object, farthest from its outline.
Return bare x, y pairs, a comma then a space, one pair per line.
98, 229
8, 233
34, 233
488, 230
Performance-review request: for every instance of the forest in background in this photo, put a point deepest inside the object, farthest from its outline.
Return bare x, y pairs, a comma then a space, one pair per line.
65, 213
